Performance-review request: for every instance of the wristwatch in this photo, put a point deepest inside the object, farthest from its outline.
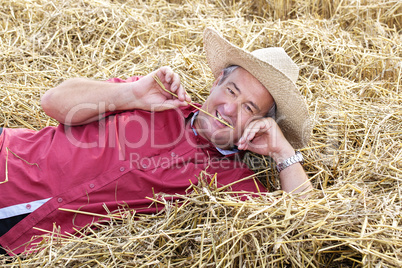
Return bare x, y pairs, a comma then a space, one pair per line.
297, 158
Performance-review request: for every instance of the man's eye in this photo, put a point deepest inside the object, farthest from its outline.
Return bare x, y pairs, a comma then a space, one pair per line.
230, 91
248, 109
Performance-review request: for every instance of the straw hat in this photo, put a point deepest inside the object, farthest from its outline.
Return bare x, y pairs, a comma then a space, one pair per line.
276, 71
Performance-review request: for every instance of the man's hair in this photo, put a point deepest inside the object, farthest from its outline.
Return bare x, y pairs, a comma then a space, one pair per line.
230, 69
226, 72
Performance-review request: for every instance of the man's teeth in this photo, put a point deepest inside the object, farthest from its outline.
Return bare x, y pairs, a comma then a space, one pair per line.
221, 118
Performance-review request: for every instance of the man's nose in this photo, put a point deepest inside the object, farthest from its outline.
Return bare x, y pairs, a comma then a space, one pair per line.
231, 109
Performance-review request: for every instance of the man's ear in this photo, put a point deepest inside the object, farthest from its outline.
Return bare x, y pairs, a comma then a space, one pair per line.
217, 81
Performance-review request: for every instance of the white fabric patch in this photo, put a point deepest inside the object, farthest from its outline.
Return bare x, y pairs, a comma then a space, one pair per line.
20, 209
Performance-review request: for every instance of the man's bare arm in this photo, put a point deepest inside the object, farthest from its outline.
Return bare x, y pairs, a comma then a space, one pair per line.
293, 178
264, 137
79, 100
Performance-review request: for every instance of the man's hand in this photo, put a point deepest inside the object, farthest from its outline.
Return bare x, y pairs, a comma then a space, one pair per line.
150, 96
263, 136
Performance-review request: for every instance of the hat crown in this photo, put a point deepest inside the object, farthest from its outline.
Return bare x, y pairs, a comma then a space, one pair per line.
277, 57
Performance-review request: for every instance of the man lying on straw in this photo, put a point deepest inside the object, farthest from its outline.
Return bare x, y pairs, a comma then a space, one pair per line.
120, 142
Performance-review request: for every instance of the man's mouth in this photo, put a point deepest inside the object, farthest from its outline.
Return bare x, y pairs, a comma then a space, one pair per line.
218, 115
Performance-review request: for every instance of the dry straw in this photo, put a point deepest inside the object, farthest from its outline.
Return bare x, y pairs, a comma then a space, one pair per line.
350, 55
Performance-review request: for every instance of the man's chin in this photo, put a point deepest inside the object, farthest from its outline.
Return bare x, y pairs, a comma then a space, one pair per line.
220, 139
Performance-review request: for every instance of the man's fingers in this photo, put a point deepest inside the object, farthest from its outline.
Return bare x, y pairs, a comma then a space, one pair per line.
172, 83
167, 72
188, 98
250, 136
251, 131
179, 89
183, 96
175, 84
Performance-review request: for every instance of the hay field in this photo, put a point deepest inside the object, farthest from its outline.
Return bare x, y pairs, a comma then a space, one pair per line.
350, 58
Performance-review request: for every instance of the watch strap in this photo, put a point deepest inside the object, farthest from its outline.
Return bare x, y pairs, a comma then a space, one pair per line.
297, 158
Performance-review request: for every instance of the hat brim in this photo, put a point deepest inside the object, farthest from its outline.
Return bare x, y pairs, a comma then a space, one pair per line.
291, 114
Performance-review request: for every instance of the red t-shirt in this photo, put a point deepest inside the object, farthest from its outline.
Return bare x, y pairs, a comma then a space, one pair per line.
119, 160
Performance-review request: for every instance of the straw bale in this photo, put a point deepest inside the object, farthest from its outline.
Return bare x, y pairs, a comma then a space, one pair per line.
350, 55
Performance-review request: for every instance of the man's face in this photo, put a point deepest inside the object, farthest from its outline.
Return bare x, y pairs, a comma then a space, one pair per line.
238, 100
